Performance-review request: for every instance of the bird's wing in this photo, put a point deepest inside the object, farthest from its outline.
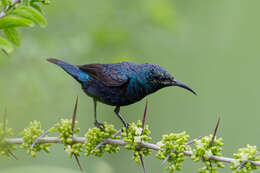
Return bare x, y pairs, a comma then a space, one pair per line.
109, 74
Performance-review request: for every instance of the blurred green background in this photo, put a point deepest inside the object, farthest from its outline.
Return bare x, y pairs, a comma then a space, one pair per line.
213, 46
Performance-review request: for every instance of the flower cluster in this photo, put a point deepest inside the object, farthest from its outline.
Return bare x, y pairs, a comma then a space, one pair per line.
30, 134
172, 147
95, 136
204, 151
64, 128
243, 157
5, 147
134, 135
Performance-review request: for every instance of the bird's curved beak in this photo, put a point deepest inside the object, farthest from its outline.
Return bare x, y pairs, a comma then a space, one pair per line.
182, 85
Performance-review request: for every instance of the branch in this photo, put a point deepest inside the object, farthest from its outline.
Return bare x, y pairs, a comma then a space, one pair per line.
120, 143
136, 138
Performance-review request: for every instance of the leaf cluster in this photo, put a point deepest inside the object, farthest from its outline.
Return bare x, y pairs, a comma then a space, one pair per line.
16, 14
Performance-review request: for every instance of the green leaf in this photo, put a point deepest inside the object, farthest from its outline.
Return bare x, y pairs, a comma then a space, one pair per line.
5, 45
4, 3
26, 2
15, 21
36, 7
13, 35
30, 13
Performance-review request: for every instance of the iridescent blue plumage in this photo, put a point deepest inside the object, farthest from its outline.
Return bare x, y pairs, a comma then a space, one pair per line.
119, 84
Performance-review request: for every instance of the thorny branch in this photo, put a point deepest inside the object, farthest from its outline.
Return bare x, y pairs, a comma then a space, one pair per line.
52, 140
120, 143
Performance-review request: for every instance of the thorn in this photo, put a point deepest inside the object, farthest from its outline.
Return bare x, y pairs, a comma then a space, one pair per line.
213, 139
4, 130
5, 52
12, 154
72, 128
144, 117
214, 134
78, 162
5, 121
74, 115
142, 162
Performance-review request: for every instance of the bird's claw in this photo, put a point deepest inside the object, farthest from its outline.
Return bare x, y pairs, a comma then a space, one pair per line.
99, 125
126, 126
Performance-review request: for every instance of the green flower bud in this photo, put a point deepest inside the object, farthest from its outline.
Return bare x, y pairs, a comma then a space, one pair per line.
30, 134
95, 136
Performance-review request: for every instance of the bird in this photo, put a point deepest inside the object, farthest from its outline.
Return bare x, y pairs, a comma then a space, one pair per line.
119, 84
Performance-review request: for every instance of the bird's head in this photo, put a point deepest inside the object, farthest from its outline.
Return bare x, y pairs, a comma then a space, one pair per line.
160, 78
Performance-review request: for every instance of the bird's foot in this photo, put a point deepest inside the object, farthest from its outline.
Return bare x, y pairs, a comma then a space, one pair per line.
99, 125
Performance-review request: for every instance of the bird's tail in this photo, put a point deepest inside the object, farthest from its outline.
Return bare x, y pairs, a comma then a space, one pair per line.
72, 70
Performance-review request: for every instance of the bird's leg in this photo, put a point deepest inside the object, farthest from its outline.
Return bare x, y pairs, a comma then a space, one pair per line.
117, 110
97, 124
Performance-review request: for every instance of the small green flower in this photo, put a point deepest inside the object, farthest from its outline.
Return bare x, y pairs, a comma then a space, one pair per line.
204, 151
243, 158
74, 149
30, 134
5, 147
173, 146
64, 129
95, 136
134, 135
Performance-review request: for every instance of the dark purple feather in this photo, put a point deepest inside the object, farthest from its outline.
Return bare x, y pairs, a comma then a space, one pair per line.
109, 76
